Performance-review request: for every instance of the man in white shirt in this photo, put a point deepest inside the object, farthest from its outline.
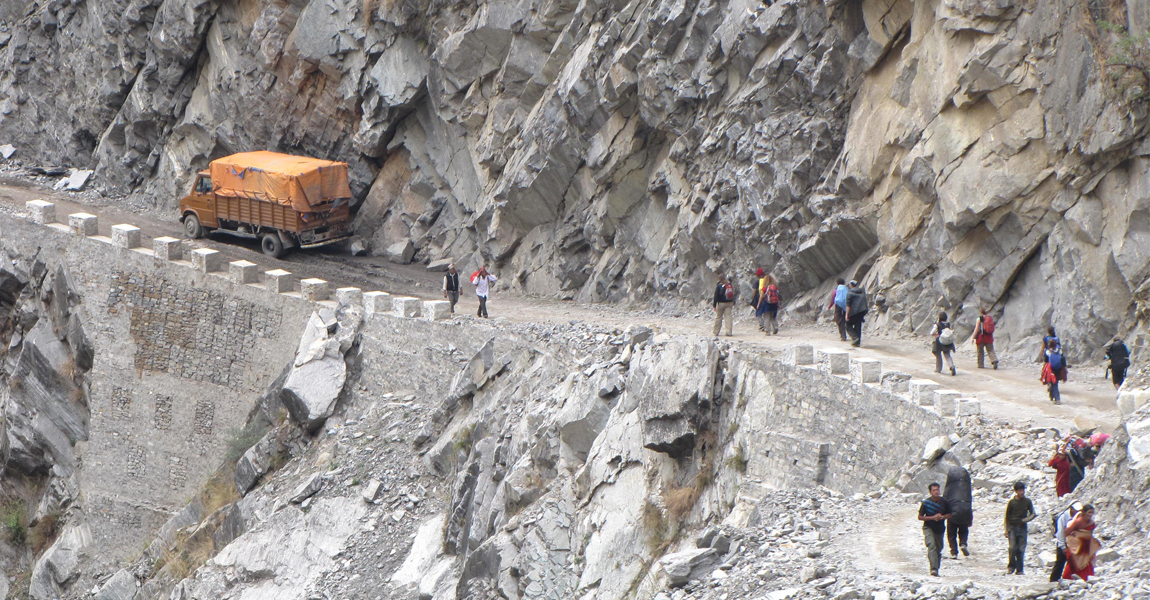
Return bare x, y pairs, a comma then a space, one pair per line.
1060, 539
482, 281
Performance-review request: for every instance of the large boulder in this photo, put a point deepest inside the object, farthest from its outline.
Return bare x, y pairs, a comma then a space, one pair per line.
122, 586
60, 565
682, 567
317, 376
672, 387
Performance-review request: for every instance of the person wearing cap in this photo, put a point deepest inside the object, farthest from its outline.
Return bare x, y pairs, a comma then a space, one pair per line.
451, 286
1060, 523
1019, 512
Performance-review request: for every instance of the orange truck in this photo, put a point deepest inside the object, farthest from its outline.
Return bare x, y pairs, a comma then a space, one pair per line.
284, 201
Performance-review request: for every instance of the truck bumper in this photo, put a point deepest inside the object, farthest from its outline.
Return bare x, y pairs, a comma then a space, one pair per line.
322, 236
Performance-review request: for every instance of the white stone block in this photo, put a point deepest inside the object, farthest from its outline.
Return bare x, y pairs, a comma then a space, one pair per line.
945, 402
833, 361
83, 224
349, 296
405, 306
866, 370
922, 391
167, 249
800, 354
41, 212
375, 303
242, 271
206, 260
126, 236
436, 310
278, 281
966, 407
313, 289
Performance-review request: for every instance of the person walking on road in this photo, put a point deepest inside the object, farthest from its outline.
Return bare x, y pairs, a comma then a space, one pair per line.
1081, 547
984, 339
933, 512
857, 306
1019, 512
765, 281
961, 500
943, 335
1119, 356
723, 302
451, 286
839, 304
1053, 370
1060, 522
771, 298
482, 281
1050, 337
1060, 462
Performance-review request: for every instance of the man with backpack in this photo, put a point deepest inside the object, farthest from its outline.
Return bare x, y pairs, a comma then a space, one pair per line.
984, 339
771, 298
723, 301
857, 307
943, 335
839, 304
1119, 356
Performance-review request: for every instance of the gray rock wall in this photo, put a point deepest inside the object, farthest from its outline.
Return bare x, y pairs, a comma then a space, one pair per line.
957, 154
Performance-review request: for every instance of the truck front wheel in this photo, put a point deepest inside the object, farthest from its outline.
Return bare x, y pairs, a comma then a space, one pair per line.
272, 245
192, 226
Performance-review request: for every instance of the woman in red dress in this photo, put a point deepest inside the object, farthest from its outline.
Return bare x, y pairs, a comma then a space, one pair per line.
1061, 464
1081, 545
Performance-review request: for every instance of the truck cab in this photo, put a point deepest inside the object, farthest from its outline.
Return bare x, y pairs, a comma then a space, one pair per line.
198, 208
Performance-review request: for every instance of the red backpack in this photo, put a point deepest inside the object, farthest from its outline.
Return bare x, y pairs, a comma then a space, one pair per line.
987, 325
728, 292
772, 294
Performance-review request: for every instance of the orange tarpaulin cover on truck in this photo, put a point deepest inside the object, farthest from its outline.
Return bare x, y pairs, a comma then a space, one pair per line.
297, 181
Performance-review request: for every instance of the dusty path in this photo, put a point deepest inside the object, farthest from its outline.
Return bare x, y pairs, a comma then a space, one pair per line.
1011, 393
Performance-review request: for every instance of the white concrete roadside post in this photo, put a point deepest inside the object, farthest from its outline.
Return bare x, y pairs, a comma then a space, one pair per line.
314, 289
242, 271
125, 236
349, 296
206, 260
83, 224
278, 281
41, 212
167, 249
376, 303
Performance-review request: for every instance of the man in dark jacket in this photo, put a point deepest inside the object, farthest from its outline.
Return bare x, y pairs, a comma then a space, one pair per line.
1119, 356
857, 306
451, 286
723, 301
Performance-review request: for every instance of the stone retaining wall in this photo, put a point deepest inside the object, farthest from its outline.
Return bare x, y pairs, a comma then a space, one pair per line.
184, 346
827, 422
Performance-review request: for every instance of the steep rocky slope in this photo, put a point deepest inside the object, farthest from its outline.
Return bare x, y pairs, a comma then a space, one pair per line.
957, 152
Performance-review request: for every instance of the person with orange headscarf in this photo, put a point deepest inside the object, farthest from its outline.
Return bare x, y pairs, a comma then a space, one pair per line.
1081, 547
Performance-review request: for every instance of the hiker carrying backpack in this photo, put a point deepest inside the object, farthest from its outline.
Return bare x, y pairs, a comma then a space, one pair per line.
943, 344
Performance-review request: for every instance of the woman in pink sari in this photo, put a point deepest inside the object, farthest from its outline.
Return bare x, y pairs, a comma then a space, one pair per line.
1081, 545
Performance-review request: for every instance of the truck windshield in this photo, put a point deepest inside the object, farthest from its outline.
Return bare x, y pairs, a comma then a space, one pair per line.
204, 185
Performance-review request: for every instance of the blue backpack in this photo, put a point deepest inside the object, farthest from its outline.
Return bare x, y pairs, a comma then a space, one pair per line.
1057, 362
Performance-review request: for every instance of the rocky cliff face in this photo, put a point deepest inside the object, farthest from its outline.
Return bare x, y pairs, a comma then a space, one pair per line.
953, 153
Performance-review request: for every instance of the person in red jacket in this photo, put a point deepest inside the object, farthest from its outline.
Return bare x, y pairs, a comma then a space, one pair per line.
1061, 464
984, 339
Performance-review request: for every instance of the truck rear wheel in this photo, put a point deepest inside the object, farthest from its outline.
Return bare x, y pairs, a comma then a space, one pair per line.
192, 226
271, 244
